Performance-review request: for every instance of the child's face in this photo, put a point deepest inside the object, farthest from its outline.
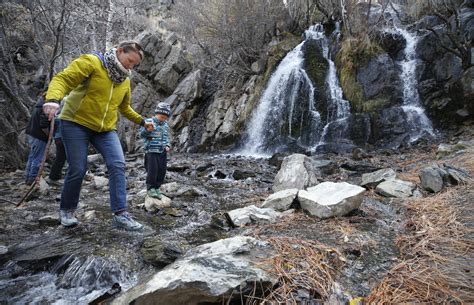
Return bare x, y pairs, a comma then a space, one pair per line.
161, 117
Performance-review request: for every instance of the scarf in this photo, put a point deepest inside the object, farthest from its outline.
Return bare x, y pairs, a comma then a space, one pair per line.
116, 71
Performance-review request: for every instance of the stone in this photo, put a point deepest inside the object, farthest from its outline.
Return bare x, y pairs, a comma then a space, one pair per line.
371, 180
190, 88
3, 250
297, 171
154, 204
243, 174
281, 201
327, 167
49, 220
251, 214
100, 182
329, 199
209, 273
161, 253
169, 188
431, 179
90, 215
395, 188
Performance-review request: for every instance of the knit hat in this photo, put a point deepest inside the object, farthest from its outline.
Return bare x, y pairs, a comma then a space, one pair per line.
163, 108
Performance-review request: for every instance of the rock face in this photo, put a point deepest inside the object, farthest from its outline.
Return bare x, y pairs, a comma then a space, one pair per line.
395, 188
281, 201
297, 171
372, 179
329, 199
251, 214
208, 273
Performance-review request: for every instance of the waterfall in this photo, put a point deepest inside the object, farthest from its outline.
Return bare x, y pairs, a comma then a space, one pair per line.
417, 121
286, 115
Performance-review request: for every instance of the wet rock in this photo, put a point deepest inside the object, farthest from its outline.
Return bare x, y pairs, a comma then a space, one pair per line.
297, 171
281, 201
243, 174
49, 220
219, 174
154, 204
359, 167
172, 212
327, 167
251, 214
431, 179
189, 192
371, 180
277, 159
209, 273
3, 250
100, 183
329, 199
95, 159
161, 253
204, 167
395, 188
169, 188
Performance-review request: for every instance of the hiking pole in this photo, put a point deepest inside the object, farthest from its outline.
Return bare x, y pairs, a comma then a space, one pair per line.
40, 171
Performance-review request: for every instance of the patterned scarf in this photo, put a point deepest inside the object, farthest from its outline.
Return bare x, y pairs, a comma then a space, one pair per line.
117, 73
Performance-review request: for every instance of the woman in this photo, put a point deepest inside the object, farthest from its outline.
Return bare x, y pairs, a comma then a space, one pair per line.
98, 87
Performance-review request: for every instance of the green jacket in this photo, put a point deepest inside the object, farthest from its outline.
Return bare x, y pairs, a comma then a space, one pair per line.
93, 98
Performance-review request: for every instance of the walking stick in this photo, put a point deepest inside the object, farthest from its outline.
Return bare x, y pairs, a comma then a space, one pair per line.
40, 171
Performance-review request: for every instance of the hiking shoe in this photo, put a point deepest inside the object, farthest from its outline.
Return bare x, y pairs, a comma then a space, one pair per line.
154, 193
158, 194
126, 222
67, 218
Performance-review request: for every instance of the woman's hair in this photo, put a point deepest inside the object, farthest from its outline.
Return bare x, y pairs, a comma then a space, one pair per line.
132, 46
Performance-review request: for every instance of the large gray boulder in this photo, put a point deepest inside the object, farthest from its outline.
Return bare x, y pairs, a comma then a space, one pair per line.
252, 214
372, 179
281, 201
395, 188
209, 273
297, 171
431, 179
329, 199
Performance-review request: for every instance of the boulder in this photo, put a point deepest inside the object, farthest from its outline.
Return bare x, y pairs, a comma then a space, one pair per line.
395, 188
222, 270
281, 201
431, 179
329, 199
251, 214
371, 180
297, 171
154, 204
327, 167
161, 253
100, 182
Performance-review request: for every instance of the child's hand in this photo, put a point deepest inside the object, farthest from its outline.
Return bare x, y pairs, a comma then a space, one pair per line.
149, 125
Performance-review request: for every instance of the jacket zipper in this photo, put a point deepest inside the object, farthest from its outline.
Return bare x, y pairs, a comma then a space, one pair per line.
107, 108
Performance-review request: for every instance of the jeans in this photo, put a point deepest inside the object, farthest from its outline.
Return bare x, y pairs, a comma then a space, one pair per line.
155, 164
58, 164
76, 139
35, 156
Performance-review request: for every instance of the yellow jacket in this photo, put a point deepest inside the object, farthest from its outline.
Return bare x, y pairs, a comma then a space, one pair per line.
93, 98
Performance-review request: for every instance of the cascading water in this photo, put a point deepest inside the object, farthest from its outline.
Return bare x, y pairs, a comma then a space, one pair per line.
418, 123
287, 115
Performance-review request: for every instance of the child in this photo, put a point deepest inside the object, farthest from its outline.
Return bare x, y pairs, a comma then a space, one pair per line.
37, 131
157, 144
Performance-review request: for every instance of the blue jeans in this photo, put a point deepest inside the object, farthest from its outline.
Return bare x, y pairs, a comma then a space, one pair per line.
76, 139
35, 156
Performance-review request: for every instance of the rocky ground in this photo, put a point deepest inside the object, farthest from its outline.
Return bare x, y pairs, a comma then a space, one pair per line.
312, 260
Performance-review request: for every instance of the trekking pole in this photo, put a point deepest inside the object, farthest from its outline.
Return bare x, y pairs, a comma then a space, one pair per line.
40, 171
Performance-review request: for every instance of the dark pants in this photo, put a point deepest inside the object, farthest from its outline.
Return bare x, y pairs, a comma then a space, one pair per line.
155, 164
58, 164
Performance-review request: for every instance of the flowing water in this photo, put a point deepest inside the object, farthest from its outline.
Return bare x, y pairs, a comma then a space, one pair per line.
418, 123
287, 115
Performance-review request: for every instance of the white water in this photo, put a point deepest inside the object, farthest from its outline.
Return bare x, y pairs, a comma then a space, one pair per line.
283, 94
418, 123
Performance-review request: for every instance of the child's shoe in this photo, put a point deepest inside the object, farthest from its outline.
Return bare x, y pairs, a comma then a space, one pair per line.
158, 194
151, 193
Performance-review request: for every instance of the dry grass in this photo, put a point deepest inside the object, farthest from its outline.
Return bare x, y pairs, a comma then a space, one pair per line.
436, 266
299, 264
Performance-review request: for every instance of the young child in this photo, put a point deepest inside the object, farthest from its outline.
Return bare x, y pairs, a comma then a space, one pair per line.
157, 144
